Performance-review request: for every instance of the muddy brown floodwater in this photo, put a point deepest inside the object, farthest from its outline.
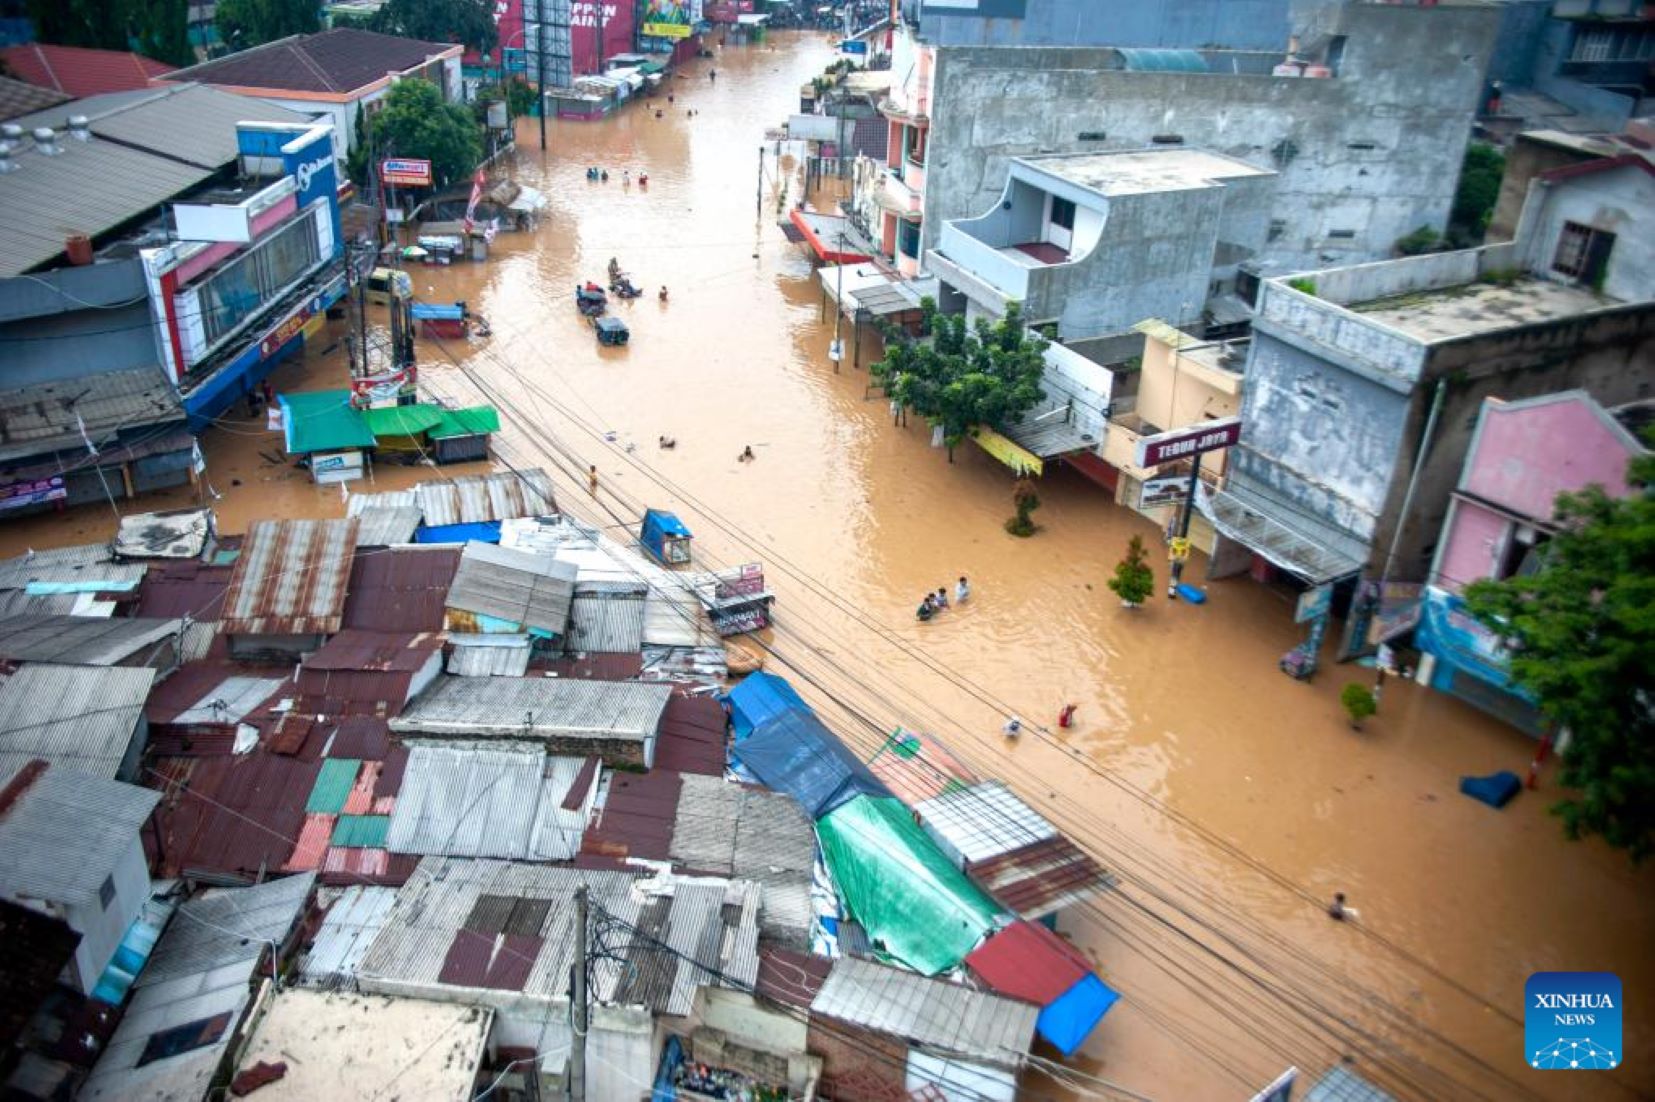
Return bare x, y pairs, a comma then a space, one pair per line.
1230, 801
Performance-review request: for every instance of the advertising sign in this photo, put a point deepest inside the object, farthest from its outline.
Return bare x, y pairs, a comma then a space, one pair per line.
1183, 443
1314, 603
1398, 611
383, 387
1162, 491
668, 19
327, 468
405, 172
746, 580
290, 328
32, 491
740, 621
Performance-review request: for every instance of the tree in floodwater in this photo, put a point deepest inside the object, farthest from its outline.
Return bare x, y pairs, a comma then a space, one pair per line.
1358, 702
965, 376
415, 122
1581, 635
1134, 581
1026, 499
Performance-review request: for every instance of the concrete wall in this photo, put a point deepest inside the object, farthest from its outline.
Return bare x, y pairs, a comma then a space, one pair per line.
1233, 24
1407, 86
1473, 539
1525, 159
1603, 110
1516, 47
1620, 201
101, 928
1321, 438
48, 332
1522, 458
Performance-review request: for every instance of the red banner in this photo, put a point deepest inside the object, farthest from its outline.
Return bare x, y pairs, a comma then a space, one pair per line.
476, 194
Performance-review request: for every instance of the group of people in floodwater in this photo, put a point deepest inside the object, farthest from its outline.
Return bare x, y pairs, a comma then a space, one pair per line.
936, 602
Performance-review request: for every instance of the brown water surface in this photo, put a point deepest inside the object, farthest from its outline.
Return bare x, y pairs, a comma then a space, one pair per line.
1231, 801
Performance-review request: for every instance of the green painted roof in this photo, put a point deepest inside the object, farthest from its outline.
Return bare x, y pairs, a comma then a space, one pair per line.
652, 67
467, 422
403, 420
323, 421
333, 786
362, 831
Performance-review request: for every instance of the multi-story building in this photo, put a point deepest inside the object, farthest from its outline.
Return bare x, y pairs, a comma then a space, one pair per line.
165, 253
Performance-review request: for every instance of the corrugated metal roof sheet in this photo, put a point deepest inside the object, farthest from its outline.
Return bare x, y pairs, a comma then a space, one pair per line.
202, 967
191, 123
333, 786
536, 707
234, 815
361, 831
982, 821
489, 655
1037, 880
733, 830
82, 717
489, 803
183, 589
589, 667
607, 623
635, 816
85, 563
175, 534
47, 417
472, 499
84, 640
355, 504
1029, 962
290, 578
533, 591
792, 978
692, 736
353, 649
932, 1012
352, 922
400, 590
382, 527
715, 922
64, 833
202, 693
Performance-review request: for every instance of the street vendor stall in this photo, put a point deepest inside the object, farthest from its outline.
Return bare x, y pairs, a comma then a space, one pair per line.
329, 432
441, 320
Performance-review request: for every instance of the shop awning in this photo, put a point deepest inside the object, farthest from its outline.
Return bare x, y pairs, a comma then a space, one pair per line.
402, 420
1291, 540
472, 421
831, 237
322, 421
1050, 434
1013, 455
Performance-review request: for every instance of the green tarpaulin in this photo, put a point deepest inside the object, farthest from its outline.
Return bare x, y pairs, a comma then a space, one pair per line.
402, 420
323, 421
475, 421
916, 907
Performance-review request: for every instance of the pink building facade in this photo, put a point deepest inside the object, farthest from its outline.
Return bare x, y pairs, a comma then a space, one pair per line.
1522, 456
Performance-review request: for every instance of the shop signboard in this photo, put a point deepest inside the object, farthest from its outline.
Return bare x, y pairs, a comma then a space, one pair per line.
32, 491
668, 19
1397, 613
1188, 442
1162, 491
746, 580
1314, 603
739, 621
327, 468
405, 172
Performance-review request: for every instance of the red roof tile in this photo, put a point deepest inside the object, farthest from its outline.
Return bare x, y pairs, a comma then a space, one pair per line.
20, 98
691, 738
78, 72
1027, 961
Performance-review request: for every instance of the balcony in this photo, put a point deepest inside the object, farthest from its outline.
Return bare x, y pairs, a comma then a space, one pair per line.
899, 198
913, 175
977, 267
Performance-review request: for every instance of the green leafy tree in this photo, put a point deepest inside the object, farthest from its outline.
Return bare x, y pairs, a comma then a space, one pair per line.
1134, 580
1581, 634
467, 21
1026, 499
244, 23
154, 28
415, 122
964, 376
1358, 702
1478, 191
356, 157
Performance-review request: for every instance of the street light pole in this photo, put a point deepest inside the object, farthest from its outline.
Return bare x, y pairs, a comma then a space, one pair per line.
540, 65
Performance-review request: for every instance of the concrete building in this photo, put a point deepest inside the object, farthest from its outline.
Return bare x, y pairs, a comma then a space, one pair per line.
1226, 24
170, 248
1593, 224
1096, 242
1522, 456
1182, 381
330, 75
1534, 152
1336, 476
1572, 65
1367, 133
70, 848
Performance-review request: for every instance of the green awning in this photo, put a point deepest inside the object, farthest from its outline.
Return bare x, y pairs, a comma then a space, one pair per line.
474, 421
403, 420
362, 831
323, 421
917, 908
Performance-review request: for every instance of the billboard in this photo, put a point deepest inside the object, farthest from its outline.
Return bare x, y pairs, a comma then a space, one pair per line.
1186, 442
405, 172
668, 19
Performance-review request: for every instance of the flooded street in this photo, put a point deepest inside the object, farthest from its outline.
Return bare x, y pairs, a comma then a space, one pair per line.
1230, 800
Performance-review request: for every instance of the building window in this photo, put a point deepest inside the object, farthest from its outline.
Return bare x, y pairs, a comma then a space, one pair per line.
1582, 252
252, 281
1521, 555
907, 238
106, 892
1063, 213
1613, 44
916, 145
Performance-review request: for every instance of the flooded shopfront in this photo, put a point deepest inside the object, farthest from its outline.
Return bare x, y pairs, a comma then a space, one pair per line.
1230, 801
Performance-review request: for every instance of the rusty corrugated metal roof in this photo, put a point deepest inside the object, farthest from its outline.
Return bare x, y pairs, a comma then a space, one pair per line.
234, 816
637, 817
401, 590
791, 977
352, 649
190, 589
691, 739
476, 499
290, 578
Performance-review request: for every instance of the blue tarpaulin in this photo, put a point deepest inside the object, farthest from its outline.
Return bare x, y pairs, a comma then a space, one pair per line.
664, 536
796, 754
438, 311
487, 531
760, 698
1069, 1020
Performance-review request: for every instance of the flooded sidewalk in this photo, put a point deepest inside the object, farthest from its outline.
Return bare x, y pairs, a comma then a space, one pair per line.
1231, 801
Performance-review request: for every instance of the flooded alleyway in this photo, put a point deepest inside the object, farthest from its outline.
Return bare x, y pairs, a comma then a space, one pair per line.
1230, 801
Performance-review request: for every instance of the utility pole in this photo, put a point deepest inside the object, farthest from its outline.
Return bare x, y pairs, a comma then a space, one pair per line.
540, 65
837, 353
1184, 524
577, 1047
758, 195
